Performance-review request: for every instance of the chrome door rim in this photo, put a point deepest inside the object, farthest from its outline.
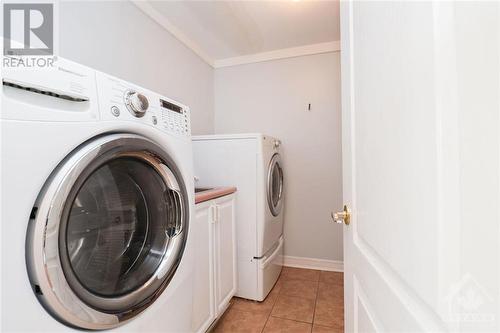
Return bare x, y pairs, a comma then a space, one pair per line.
275, 209
47, 274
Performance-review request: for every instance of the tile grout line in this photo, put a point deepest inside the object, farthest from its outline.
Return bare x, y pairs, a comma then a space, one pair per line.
295, 320
267, 319
314, 309
316, 302
302, 322
277, 297
274, 304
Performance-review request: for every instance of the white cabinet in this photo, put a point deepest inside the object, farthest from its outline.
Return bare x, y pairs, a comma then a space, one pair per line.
215, 280
203, 290
225, 252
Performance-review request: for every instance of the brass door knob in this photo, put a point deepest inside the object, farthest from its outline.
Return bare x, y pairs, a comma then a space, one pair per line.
343, 216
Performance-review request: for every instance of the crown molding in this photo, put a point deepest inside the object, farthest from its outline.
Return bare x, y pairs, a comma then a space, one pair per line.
279, 54
167, 25
298, 51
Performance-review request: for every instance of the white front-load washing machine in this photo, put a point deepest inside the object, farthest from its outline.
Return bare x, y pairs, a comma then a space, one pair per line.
251, 162
97, 194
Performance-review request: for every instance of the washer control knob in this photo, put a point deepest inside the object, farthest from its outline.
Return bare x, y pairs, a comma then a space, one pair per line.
136, 103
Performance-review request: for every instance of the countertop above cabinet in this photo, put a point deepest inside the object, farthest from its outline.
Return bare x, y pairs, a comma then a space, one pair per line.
205, 194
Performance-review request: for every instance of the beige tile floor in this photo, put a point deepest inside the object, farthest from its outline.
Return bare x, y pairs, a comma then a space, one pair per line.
302, 301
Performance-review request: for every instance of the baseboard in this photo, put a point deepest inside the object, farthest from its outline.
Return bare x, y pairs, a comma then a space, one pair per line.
312, 263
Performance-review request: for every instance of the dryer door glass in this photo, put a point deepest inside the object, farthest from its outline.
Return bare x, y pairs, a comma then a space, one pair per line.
275, 185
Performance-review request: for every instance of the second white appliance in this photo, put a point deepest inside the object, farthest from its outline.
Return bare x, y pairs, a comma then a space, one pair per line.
252, 163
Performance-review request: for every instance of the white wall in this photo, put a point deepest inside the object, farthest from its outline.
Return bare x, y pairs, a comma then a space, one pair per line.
272, 97
116, 37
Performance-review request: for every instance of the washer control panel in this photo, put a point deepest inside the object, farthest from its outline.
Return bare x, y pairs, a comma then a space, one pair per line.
121, 100
174, 116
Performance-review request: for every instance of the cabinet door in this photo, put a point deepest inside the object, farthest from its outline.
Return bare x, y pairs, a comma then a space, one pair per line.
203, 291
225, 252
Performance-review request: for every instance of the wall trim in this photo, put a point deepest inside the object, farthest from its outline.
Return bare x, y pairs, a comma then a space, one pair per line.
312, 263
291, 52
279, 54
156, 16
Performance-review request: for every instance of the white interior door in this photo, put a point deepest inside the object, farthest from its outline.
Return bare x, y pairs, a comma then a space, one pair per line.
420, 124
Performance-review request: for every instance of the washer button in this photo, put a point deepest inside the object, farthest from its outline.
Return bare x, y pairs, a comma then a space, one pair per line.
155, 121
115, 111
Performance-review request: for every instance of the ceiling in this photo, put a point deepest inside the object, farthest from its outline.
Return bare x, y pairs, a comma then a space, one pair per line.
228, 29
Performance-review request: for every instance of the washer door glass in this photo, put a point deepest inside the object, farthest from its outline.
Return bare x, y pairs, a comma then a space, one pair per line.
275, 185
118, 227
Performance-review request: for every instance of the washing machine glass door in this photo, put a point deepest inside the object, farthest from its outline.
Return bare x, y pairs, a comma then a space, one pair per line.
119, 222
275, 185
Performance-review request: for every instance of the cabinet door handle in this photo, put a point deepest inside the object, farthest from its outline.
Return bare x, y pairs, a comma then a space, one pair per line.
213, 210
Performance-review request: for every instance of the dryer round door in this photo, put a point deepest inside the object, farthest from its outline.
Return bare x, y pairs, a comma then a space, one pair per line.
108, 232
275, 185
